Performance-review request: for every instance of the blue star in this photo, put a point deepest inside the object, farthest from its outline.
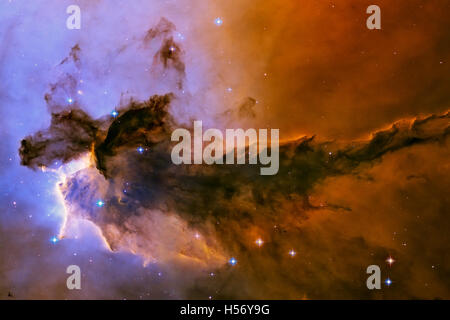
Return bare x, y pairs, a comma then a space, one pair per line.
140, 150
54, 239
114, 113
232, 261
100, 203
69, 100
218, 21
179, 35
388, 282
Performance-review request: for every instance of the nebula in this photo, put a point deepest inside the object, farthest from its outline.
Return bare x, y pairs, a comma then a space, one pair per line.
363, 157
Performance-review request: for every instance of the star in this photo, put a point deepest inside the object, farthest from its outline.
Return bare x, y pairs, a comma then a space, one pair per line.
114, 113
140, 150
388, 282
232, 261
259, 242
100, 203
390, 261
218, 21
179, 35
292, 253
54, 239
69, 100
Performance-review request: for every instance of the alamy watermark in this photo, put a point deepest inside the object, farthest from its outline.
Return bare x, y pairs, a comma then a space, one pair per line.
237, 141
74, 20
74, 280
